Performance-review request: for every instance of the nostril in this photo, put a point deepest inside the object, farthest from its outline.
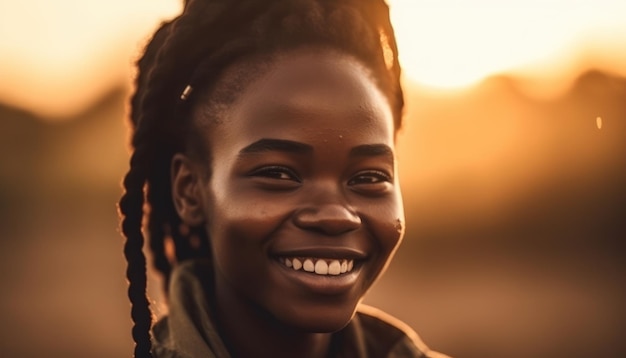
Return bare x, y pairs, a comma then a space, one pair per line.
328, 219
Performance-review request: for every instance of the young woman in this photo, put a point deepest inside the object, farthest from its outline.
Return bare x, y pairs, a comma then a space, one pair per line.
264, 170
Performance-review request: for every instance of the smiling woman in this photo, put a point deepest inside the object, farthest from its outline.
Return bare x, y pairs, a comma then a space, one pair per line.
290, 180
268, 155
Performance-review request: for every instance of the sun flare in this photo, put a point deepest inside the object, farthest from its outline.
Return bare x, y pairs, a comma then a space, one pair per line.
60, 59
452, 43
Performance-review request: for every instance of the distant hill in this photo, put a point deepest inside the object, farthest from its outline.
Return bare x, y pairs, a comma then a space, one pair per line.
492, 163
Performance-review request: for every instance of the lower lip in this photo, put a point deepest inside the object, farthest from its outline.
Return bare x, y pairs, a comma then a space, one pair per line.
322, 284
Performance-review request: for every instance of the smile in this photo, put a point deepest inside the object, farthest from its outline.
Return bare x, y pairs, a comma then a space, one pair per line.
319, 266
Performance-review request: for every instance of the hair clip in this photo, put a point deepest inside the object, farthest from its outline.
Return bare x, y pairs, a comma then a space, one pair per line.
185, 95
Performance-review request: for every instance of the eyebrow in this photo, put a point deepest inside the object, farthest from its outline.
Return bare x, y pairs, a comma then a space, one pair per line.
281, 145
372, 150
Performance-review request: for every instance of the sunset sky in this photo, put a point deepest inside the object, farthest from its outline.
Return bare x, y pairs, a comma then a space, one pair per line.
58, 57
450, 43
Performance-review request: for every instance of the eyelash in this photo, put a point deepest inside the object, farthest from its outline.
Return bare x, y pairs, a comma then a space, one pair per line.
379, 176
276, 172
270, 171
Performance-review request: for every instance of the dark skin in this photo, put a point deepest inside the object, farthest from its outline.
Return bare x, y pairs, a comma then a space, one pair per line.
306, 171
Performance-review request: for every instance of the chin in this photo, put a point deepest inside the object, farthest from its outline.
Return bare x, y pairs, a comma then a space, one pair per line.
320, 318
326, 325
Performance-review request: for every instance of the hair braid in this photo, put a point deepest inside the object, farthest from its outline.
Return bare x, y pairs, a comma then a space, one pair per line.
194, 49
131, 207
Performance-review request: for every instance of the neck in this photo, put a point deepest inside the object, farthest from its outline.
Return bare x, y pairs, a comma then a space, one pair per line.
248, 331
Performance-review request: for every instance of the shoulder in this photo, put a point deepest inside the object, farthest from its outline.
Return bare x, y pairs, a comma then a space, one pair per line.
161, 340
387, 336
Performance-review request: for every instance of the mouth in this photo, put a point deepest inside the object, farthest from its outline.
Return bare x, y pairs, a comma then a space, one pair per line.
318, 266
320, 274
326, 270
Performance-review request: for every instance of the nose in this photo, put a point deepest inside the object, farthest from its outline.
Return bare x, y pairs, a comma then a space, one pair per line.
329, 219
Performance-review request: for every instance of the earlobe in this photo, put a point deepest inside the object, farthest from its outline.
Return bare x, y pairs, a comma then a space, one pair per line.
186, 191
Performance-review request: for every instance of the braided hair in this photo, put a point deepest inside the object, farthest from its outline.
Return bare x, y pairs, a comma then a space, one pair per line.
190, 52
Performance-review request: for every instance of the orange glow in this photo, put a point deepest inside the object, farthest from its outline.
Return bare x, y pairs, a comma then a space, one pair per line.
58, 57
513, 188
452, 43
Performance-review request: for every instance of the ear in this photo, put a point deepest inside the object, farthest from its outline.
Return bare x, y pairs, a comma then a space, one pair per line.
187, 190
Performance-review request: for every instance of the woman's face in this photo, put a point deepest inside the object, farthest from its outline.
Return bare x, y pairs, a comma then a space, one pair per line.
303, 178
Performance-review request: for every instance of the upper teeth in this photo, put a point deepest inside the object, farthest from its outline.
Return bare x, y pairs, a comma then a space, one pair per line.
319, 266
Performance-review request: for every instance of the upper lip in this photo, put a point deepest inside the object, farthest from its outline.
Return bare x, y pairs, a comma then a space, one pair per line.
327, 252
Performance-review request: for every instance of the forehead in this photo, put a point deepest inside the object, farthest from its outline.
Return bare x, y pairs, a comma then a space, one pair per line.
315, 91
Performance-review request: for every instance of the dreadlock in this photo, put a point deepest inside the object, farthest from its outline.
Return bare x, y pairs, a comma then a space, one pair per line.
190, 52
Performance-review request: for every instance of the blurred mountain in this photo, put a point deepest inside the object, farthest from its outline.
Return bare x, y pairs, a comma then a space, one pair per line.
494, 159
61, 266
86, 150
516, 221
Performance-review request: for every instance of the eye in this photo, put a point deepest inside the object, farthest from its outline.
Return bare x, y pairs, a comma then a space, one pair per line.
276, 172
370, 177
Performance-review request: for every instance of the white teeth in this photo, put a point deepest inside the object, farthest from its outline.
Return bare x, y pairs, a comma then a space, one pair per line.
318, 266
334, 268
297, 264
321, 267
308, 266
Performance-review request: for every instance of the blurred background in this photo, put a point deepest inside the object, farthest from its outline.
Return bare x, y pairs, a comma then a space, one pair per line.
513, 164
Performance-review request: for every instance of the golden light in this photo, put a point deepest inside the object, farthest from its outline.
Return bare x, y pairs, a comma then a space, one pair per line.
58, 57
453, 43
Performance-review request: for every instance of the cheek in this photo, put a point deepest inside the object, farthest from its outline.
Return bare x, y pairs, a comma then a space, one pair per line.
241, 223
386, 223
